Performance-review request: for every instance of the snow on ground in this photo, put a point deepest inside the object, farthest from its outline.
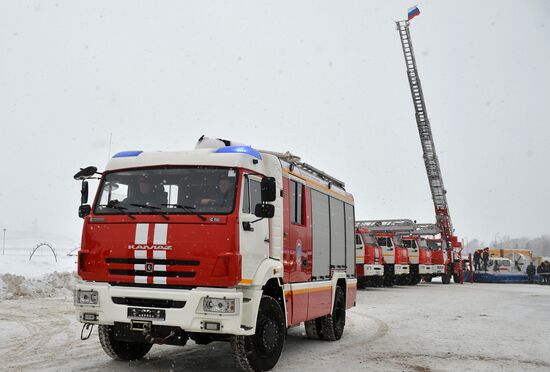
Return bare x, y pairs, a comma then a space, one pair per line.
430, 327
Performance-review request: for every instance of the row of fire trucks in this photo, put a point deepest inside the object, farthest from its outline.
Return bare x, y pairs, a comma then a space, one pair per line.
401, 252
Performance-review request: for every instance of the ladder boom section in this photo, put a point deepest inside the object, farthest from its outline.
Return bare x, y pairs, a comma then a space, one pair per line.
431, 162
399, 226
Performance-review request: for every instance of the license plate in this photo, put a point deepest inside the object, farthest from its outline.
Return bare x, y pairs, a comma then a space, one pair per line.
141, 313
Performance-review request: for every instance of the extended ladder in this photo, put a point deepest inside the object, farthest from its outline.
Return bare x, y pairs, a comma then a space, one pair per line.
431, 161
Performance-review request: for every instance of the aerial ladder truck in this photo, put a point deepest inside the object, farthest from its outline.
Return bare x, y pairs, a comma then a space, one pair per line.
452, 247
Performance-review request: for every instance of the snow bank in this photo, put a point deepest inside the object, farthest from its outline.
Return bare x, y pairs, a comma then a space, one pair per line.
56, 284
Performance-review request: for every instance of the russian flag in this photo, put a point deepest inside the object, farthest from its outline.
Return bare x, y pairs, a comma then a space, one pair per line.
413, 12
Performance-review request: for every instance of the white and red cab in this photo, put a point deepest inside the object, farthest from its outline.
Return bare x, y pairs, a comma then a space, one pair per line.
396, 258
369, 258
223, 242
420, 258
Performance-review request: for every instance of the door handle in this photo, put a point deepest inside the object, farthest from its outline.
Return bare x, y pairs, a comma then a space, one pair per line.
304, 262
247, 226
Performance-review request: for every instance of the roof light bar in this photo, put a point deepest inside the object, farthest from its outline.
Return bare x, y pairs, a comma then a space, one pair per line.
126, 154
239, 150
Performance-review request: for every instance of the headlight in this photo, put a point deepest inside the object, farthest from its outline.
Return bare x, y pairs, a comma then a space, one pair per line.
218, 305
86, 297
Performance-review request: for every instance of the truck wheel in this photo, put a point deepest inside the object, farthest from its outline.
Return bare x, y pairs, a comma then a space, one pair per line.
261, 351
313, 328
332, 325
446, 279
121, 350
456, 278
415, 279
428, 279
389, 280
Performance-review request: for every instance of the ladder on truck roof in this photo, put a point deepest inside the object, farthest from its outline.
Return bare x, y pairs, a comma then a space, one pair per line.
295, 162
401, 227
433, 169
387, 225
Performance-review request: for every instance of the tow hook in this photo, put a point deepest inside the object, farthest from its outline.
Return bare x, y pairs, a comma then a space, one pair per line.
86, 327
146, 328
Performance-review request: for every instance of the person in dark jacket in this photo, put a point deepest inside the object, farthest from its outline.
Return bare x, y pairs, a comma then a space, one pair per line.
530, 272
477, 259
485, 258
545, 272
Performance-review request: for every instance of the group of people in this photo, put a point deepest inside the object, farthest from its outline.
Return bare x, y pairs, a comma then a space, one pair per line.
481, 255
543, 270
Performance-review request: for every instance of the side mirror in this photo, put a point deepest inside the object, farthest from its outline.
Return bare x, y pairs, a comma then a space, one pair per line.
84, 193
84, 210
269, 189
264, 210
85, 173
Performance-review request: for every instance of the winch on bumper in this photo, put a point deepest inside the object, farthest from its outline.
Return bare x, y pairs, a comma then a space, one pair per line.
209, 310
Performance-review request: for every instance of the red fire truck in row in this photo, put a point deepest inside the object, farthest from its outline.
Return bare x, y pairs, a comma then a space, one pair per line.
223, 242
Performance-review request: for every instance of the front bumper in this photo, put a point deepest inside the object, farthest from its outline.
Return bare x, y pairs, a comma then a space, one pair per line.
374, 270
402, 269
439, 269
425, 269
191, 317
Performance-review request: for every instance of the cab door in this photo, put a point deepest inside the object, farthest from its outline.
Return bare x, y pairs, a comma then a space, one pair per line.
359, 249
387, 249
254, 236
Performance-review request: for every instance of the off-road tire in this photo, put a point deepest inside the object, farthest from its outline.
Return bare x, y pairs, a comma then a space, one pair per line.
313, 328
332, 325
414, 280
446, 279
261, 351
121, 350
456, 278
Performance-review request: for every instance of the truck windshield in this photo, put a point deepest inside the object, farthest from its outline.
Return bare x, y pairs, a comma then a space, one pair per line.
369, 239
168, 191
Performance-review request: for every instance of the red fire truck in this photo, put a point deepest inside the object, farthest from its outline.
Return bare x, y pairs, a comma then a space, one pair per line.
369, 258
420, 258
224, 242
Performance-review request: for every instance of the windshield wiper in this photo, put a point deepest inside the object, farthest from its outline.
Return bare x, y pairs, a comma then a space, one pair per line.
120, 208
188, 209
153, 208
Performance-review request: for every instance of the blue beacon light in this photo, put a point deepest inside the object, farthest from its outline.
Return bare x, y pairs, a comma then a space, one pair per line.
126, 154
239, 150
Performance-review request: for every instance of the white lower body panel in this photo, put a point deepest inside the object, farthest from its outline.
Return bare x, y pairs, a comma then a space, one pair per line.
425, 269
402, 269
373, 270
439, 269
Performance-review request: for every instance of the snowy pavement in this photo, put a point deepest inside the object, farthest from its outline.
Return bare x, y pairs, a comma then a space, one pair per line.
430, 327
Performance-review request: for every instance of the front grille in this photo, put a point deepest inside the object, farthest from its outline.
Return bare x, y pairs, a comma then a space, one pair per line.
173, 268
170, 274
149, 302
132, 261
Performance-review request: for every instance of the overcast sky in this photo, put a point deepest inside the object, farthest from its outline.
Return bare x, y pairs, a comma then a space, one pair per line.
325, 80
